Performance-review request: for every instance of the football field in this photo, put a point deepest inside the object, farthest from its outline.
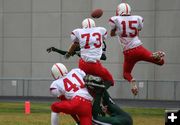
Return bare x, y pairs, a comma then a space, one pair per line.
12, 113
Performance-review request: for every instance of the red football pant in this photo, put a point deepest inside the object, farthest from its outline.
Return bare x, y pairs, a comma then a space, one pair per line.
96, 69
77, 106
132, 56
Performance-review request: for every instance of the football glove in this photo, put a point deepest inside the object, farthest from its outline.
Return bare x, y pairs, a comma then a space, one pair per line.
50, 49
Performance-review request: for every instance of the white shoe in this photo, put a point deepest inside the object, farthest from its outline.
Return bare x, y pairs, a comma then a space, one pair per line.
158, 55
134, 88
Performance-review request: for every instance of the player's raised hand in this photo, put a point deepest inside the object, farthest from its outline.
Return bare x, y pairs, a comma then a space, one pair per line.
50, 49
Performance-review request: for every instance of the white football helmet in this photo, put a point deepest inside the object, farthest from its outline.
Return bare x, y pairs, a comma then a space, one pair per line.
123, 9
88, 23
58, 70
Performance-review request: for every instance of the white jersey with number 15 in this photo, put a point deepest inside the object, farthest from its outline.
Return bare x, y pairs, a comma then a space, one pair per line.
127, 30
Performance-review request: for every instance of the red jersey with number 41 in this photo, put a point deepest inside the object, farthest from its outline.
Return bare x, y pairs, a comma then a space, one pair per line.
91, 42
127, 30
72, 85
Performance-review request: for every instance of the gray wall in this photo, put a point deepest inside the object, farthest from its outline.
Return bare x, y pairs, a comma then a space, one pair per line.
28, 27
148, 89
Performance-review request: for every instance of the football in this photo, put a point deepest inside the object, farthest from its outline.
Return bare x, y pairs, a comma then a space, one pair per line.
97, 13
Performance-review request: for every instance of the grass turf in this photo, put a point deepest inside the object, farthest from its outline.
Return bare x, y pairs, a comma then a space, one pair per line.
12, 113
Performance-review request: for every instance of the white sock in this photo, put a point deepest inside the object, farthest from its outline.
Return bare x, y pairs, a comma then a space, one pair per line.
54, 118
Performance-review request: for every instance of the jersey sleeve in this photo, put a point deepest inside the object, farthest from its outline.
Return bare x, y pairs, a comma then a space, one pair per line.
104, 33
140, 20
54, 89
112, 23
74, 37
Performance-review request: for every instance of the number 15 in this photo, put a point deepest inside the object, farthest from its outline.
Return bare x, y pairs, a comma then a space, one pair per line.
130, 25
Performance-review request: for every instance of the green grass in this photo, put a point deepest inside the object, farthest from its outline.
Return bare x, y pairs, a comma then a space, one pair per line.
13, 114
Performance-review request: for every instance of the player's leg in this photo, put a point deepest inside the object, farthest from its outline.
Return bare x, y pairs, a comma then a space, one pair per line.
121, 117
96, 110
123, 120
102, 72
156, 57
84, 111
84, 66
69, 106
78, 106
97, 69
104, 121
86, 120
54, 118
113, 120
64, 106
128, 66
130, 60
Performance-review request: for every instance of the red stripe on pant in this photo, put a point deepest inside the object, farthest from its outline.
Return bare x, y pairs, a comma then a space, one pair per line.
78, 106
132, 56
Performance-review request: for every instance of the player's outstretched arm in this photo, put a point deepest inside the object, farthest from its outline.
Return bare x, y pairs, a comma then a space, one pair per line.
62, 52
53, 49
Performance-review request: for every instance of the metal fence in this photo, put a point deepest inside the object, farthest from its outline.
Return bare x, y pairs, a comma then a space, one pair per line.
148, 89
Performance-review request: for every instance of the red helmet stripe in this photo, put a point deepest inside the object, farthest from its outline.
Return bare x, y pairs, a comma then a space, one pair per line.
126, 8
59, 69
89, 24
53, 75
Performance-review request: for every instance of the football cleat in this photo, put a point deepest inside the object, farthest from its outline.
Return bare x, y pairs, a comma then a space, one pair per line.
158, 55
134, 88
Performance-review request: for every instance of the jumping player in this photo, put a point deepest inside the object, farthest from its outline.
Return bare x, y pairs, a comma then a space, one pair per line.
127, 28
70, 88
90, 39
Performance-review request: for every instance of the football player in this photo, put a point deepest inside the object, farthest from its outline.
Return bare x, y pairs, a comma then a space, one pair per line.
116, 116
90, 39
127, 28
75, 98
